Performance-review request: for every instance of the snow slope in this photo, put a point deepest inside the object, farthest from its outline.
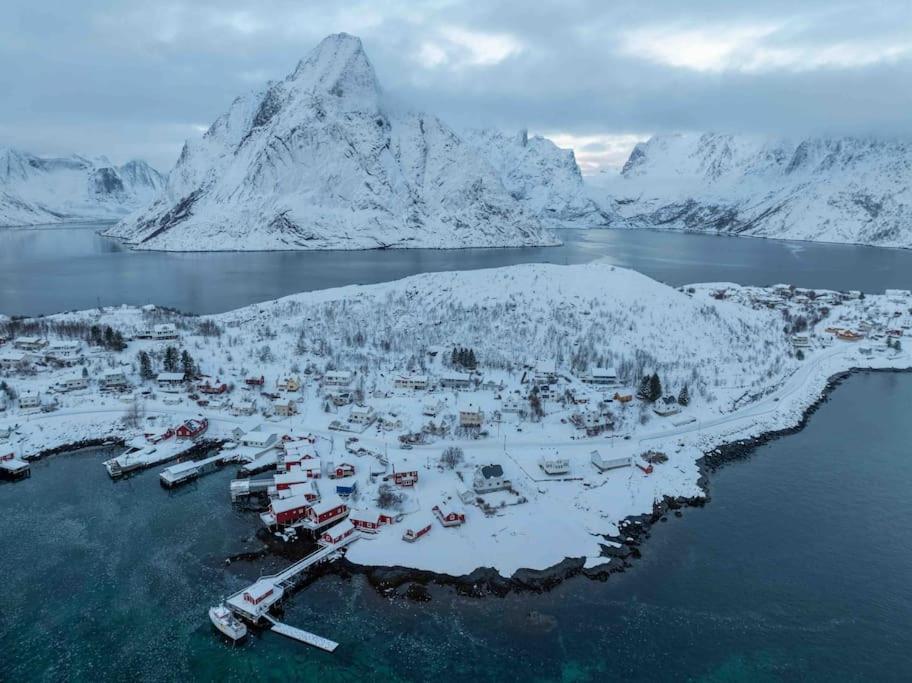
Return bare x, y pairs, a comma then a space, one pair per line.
36, 190
852, 190
543, 177
318, 161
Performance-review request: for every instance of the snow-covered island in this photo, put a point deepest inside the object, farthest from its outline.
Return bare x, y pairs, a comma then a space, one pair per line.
506, 418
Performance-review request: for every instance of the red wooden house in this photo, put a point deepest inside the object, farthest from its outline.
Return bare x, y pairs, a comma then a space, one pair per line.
255, 382
328, 510
416, 530
408, 478
449, 514
192, 428
289, 510
338, 533
217, 388
343, 469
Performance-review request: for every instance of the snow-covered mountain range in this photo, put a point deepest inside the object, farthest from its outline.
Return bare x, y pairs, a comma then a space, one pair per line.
853, 190
36, 189
542, 176
321, 161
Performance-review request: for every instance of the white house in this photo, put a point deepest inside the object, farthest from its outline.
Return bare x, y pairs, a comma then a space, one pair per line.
113, 380
29, 399
471, 416
412, 382
602, 376
64, 352
284, 407
170, 381
554, 464
595, 421
514, 404
545, 372
164, 331
72, 383
489, 478
260, 438
243, 408
456, 380
29, 343
603, 464
13, 359
362, 415
337, 378
801, 341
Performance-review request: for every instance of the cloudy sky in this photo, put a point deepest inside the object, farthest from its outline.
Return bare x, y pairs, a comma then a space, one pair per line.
135, 78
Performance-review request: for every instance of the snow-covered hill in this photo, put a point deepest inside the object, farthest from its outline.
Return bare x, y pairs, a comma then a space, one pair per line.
36, 190
543, 177
319, 161
856, 190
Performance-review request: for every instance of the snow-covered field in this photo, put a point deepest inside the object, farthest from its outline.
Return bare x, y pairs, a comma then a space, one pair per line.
540, 335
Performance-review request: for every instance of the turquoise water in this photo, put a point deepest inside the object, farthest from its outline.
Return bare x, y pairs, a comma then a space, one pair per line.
798, 569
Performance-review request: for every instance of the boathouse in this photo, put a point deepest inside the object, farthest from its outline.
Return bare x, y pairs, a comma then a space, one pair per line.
449, 513
416, 529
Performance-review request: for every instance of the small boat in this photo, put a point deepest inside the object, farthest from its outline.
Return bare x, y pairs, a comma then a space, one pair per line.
228, 624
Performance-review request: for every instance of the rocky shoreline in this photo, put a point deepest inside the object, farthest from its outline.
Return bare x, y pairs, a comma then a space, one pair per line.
620, 551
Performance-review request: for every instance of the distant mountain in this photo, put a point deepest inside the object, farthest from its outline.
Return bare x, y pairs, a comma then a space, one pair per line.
37, 189
856, 190
544, 178
319, 161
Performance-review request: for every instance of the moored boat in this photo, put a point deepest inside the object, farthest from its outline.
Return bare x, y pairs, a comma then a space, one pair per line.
228, 624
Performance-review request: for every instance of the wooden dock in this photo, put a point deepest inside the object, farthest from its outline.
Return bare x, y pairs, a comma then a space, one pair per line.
302, 636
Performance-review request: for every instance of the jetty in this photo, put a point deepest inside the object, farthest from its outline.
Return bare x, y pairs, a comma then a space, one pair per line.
12, 467
254, 602
244, 488
184, 472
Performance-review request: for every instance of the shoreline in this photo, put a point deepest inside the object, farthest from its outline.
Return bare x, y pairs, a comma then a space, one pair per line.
389, 581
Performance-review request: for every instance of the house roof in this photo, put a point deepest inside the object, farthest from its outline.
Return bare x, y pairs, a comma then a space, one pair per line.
491, 471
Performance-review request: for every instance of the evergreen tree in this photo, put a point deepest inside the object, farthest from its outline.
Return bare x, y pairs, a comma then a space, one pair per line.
145, 365
684, 396
187, 364
655, 388
95, 338
171, 359
643, 389
108, 337
117, 341
454, 358
470, 360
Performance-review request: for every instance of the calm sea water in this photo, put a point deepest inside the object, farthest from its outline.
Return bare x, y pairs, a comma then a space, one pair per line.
53, 269
797, 570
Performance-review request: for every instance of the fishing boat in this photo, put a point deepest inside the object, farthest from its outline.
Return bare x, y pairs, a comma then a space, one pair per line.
228, 624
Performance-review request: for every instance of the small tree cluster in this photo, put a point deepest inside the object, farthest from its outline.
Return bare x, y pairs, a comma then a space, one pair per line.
388, 497
464, 358
650, 388
107, 338
451, 457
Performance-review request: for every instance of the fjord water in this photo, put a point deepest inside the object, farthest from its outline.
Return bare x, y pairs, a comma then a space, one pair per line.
798, 569
52, 269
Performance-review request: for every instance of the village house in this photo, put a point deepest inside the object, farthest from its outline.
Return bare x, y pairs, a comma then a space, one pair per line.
171, 382
339, 398
416, 528
243, 408
603, 464
456, 380
113, 380
64, 353
545, 372
290, 384
405, 478
602, 377
490, 478
14, 359
337, 378
365, 520
335, 535
666, 407
346, 486
449, 513
471, 416
327, 511
164, 331
553, 464
362, 415
286, 511
411, 382
340, 470
192, 428
29, 400
72, 383
283, 481
596, 421
284, 407
259, 438
515, 403
432, 408
800, 341
308, 489
29, 343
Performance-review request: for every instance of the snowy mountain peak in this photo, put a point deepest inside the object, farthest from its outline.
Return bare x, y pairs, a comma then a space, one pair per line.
338, 66
316, 162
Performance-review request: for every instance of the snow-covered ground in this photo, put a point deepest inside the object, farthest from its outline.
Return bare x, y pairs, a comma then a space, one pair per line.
752, 360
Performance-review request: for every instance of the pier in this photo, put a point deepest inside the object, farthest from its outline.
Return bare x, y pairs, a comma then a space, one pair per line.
12, 467
254, 602
183, 472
